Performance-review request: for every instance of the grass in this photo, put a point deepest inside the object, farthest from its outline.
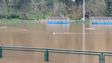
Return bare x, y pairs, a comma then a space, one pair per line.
41, 17
32, 21
16, 20
80, 22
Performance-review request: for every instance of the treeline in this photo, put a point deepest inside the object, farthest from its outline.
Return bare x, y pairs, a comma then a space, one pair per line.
70, 8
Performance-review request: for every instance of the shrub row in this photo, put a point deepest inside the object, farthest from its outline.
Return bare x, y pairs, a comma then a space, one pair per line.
9, 16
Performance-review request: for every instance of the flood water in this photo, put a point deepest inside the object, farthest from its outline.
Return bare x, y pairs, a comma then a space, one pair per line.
73, 36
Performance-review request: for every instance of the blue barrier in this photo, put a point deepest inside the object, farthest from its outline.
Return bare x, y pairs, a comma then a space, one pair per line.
102, 23
93, 22
60, 22
98, 22
48, 22
67, 22
52, 23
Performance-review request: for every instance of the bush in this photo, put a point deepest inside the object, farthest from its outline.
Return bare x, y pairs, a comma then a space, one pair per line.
2, 16
13, 16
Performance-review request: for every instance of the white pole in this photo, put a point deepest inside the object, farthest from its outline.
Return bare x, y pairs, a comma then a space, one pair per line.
83, 29
83, 24
83, 11
1, 13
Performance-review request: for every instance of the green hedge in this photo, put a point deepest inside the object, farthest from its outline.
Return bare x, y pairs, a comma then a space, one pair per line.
13, 16
2, 16
9, 16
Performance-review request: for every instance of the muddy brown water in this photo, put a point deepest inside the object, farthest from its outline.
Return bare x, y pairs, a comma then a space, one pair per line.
96, 37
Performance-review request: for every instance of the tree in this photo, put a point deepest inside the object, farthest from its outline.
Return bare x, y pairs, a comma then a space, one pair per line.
96, 7
108, 6
5, 7
39, 7
57, 9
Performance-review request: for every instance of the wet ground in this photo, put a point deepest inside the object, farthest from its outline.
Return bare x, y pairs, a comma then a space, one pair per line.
73, 36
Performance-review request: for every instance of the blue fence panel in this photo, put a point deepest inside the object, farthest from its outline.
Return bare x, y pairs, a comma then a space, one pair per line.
102, 23
59, 22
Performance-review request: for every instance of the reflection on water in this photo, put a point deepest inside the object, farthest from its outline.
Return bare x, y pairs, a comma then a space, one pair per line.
74, 36
83, 42
57, 28
83, 36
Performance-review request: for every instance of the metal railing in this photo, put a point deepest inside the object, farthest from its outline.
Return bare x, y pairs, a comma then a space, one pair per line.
46, 51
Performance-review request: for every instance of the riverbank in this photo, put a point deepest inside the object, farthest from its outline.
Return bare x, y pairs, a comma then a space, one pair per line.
35, 21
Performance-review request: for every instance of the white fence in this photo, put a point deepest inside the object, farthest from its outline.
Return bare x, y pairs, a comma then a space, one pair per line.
57, 19
101, 19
